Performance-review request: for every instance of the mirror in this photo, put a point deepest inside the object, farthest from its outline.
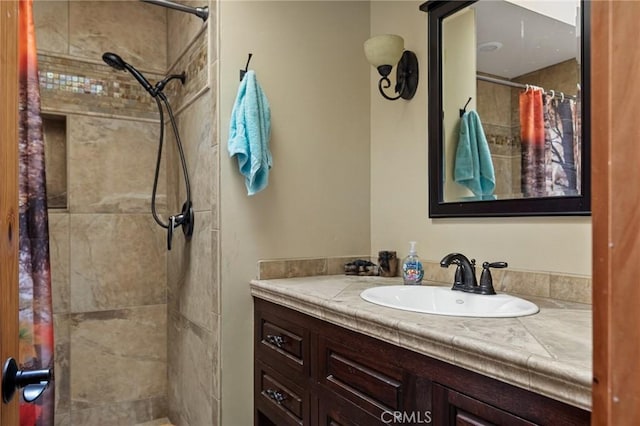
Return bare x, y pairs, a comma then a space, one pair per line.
508, 123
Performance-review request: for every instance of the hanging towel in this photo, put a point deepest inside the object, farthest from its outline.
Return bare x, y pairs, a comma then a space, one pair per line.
249, 133
473, 164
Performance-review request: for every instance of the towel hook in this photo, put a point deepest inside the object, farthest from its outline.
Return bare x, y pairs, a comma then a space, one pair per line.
464, 109
246, 67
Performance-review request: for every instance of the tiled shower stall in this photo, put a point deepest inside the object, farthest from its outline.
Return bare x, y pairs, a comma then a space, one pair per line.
136, 327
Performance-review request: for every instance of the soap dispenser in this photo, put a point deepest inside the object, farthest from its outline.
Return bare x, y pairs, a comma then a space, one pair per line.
412, 270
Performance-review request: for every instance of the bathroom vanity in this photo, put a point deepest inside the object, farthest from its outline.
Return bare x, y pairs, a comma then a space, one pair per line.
324, 356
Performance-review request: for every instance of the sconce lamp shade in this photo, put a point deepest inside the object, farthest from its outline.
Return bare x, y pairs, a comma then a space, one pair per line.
387, 51
384, 49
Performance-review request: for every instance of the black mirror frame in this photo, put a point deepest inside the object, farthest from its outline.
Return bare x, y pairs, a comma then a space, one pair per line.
547, 206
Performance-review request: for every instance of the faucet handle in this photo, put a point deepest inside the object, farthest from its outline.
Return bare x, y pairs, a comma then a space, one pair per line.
486, 280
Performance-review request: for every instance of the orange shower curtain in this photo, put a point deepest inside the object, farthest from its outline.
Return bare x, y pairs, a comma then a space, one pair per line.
35, 317
532, 140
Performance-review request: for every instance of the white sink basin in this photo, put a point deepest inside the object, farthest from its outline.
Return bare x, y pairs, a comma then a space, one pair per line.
444, 301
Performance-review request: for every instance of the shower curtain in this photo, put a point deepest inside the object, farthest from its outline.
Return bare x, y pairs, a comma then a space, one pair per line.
550, 142
35, 311
532, 140
560, 144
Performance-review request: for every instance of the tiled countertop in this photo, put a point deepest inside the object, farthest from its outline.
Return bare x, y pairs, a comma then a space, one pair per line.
548, 353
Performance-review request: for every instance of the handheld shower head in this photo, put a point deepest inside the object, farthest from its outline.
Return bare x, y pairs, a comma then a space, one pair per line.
116, 62
113, 61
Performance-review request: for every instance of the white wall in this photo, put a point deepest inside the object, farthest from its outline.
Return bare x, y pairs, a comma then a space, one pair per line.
399, 209
309, 60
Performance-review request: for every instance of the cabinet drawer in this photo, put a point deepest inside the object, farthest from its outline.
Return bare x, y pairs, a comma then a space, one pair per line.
370, 381
282, 342
278, 396
334, 411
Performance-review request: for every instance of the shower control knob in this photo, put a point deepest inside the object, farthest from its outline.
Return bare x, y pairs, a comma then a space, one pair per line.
34, 382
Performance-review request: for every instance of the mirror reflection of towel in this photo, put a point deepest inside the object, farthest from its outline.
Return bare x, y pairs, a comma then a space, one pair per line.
249, 133
473, 164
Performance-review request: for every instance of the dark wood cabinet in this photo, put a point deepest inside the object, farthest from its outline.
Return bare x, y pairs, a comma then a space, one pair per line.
310, 372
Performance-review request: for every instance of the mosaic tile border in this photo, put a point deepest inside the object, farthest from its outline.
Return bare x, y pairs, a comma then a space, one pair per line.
74, 85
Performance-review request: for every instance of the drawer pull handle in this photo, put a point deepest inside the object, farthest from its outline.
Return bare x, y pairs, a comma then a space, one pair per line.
276, 395
277, 341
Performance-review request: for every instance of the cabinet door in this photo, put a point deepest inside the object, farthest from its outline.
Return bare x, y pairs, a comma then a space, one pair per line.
454, 408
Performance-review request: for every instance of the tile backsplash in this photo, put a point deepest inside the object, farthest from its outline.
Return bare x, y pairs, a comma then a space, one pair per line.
571, 288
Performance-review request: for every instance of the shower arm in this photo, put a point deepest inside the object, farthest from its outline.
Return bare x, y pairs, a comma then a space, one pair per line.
201, 12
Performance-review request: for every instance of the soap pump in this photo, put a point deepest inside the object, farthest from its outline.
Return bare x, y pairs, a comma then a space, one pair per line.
412, 270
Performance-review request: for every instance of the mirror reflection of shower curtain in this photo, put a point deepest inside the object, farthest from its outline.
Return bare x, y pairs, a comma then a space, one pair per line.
550, 142
532, 140
35, 311
561, 142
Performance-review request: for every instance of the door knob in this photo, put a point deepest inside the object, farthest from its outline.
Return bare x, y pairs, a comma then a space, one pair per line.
34, 382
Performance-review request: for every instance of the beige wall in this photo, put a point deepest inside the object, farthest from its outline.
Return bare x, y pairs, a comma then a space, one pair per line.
399, 209
309, 60
458, 77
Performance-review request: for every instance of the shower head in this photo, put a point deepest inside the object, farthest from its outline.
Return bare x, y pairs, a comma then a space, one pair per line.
113, 61
116, 62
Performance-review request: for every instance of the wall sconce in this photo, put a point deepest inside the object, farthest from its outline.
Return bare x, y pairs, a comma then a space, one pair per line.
383, 51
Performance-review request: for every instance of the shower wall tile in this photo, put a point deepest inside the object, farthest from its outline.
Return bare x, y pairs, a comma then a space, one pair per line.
191, 289
62, 418
111, 166
62, 354
54, 129
173, 170
116, 261
494, 103
215, 266
191, 371
196, 133
502, 166
134, 30
215, 187
122, 413
213, 33
182, 29
216, 385
51, 20
560, 77
214, 102
59, 234
118, 356
194, 63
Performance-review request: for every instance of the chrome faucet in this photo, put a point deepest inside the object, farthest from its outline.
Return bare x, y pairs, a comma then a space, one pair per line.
465, 278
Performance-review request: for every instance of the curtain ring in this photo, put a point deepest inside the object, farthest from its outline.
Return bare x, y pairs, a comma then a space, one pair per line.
562, 96
553, 93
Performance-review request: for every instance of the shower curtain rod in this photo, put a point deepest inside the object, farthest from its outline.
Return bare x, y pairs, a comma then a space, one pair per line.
201, 12
518, 85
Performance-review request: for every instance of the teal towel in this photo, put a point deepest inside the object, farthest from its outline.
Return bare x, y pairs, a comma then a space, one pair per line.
249, 133
473, 164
